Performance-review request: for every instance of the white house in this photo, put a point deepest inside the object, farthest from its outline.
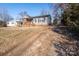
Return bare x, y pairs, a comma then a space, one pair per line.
12, 23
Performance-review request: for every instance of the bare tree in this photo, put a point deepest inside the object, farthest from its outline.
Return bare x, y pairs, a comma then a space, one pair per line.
44, 12
57, 10
4, 16
21, 15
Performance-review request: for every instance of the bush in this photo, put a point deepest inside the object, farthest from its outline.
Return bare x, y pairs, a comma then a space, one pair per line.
2, 24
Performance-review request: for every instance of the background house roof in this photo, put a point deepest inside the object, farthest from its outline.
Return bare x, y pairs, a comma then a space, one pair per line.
27, 16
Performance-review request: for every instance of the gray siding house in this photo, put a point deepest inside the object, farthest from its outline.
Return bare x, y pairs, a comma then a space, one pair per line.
41, 20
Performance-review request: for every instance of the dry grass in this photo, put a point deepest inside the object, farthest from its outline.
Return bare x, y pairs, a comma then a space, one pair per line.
28, 41
14, 40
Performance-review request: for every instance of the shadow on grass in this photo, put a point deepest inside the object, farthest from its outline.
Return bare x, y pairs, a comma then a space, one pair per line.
64, 31
70, 48
66, 49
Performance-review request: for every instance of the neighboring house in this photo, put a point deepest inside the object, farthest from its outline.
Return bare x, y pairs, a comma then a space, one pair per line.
12, 23
19, 23
26, 21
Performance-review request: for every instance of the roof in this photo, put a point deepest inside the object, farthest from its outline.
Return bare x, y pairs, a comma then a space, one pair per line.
41, 16
27, 16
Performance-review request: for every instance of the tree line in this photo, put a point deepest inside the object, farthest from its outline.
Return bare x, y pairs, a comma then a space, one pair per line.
68, 15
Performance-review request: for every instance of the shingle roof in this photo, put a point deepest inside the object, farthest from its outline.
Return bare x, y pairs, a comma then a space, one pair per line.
27, 16
41, 16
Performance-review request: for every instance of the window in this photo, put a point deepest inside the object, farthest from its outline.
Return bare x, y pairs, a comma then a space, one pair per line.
35, 19
41, 20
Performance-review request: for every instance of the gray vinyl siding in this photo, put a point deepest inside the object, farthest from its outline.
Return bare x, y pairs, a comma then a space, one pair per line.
41, 21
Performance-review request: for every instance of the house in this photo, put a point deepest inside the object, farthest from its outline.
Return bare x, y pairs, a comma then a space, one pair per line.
37, 20
19, 23
11, 23
26, 21
41, 20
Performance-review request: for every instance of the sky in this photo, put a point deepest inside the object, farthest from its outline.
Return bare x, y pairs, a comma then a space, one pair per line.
33, 9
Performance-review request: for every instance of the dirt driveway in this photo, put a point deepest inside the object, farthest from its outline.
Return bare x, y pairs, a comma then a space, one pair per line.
29, 42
